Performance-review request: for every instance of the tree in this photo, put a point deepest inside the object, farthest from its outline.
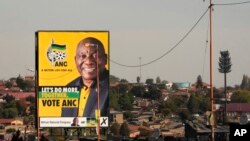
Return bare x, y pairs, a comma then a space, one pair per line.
184, 115
138, 79
8, 84
10, 113
124, 81
158, 80
125, 103
245, 82
128, 115
21, 105
20, 82
153, 93
113, 100
193, 104
241, 96
164, 81
113, 79
225, 67
124, 131
199, 83
149, 81
123, 88
115, 128
138, 91
171, 105
29, 85
1, 112
31, 99
9, 98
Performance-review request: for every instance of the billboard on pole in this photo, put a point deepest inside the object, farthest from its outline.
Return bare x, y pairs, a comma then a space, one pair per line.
72, 77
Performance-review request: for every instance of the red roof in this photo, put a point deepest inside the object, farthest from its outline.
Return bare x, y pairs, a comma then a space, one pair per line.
21, 95
238, 107
134, 128
6, 121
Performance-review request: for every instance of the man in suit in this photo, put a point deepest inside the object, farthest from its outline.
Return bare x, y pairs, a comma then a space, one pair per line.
90, 60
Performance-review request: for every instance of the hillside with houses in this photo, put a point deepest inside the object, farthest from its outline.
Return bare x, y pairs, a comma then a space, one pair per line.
18, 107
174, 110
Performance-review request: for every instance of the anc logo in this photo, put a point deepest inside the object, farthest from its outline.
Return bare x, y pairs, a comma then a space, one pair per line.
57, 54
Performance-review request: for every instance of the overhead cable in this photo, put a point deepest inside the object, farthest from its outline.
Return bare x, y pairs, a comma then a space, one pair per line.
236, 3
169, 51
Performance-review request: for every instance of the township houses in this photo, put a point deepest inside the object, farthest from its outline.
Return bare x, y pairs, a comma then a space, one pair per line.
135, 130
237, 109
7, 122
16, 95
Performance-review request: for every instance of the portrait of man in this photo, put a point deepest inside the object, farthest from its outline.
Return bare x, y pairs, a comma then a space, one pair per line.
75, 122
90, 61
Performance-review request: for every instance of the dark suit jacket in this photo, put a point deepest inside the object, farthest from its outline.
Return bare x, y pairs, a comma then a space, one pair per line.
91, 104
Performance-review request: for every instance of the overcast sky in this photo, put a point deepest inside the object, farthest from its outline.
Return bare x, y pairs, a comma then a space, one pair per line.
138, 28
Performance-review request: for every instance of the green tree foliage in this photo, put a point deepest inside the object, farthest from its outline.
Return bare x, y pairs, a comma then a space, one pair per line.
8, 84
144, 132
204, 104
149, 81
9, 98
29, 85
138, 91
153, 92
241, 96
171, 105
158, 80
225, 62
128, 115
20, 108
245, 84
184, 115
10, 113
31, 99
138, 79
11, 130
125, 102
123, 88
124, 131
199, 83
113, 100
164, 81
113, 79
20, 82
198, 103
12, 104
32, 109
1, 111
193, 104
115, 129
124, 81
26, 85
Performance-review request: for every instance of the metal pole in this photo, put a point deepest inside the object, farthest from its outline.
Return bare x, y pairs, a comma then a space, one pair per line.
140, 70
98, 95
211, 74
225, 109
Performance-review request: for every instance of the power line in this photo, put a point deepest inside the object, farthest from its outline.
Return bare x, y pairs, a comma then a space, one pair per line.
169, 51
236, 3
204, 61
176, 45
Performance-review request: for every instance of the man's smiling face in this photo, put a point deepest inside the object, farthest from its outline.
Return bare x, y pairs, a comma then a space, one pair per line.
86, 61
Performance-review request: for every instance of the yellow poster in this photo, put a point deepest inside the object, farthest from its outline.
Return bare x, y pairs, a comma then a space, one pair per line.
72, 73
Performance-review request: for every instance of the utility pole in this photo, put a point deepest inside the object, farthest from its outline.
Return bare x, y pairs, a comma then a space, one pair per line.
140, 69
211, 74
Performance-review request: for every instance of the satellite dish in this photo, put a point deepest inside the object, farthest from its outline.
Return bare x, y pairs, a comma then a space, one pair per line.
244, 119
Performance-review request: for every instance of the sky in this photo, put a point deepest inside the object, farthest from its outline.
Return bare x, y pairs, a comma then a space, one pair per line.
143, 29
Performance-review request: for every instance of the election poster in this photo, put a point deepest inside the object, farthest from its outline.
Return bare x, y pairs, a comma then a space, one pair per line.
72, 77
